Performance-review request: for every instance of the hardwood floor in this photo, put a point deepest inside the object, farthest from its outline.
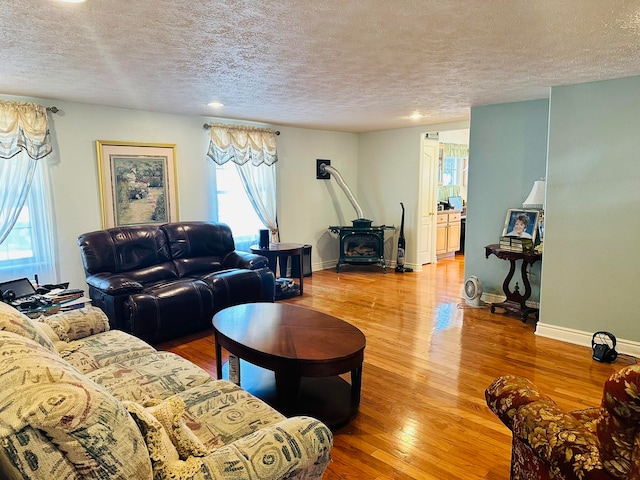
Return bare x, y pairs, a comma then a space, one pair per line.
428, 359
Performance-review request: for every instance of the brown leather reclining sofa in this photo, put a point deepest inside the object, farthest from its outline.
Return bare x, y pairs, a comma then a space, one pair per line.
162, 281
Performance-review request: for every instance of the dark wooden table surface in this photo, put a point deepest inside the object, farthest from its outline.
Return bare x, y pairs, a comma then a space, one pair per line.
278, 255
305, 349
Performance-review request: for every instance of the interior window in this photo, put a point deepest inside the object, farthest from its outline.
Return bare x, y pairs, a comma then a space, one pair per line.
18, 245
29, 249
454, 171
450, 171
234, 207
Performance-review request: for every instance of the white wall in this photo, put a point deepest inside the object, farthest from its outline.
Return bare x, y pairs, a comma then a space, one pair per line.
306, 206
454, 136
590, 267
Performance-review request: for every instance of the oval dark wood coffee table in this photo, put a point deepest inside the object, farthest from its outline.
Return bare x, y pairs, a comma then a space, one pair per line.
304, 353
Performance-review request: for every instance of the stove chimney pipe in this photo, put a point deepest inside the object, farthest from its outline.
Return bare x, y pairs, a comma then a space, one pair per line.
329, 169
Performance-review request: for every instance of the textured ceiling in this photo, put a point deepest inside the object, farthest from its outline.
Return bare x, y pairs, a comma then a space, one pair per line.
352, 66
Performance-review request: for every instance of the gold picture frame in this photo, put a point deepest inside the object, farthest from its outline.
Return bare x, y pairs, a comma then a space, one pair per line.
137, 183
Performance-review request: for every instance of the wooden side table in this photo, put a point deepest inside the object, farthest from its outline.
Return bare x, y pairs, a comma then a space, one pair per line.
516, 301
278, 255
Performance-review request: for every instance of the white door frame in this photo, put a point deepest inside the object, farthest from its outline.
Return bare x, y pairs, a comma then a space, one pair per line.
428, 200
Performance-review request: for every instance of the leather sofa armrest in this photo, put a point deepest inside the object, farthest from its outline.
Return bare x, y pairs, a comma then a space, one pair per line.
507, 394
113, 285
239, 259
237, 285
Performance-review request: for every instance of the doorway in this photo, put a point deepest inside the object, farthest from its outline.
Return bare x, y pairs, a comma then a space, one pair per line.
428, 202
443, 166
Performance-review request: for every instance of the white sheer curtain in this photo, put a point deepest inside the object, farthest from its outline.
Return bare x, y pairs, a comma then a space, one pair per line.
30, 248
253, 150
24, 139
16, 175
259, 183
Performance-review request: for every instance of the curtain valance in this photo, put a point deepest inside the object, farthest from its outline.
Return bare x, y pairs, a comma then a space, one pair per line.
241, 144
24, 126
456, 150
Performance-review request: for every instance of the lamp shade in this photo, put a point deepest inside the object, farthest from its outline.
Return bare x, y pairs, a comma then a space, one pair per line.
536, 196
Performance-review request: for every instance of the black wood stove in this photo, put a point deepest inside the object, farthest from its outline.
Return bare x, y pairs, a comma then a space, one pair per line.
361, 243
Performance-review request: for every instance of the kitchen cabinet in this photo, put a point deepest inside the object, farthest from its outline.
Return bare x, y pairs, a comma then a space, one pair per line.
448, 229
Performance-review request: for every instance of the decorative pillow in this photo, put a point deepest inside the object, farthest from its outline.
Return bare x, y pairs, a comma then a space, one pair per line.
53, 336
14, 321
164, 456
169, 414
78, 323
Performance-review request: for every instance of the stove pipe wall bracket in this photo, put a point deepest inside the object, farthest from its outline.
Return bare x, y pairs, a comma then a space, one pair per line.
324, 169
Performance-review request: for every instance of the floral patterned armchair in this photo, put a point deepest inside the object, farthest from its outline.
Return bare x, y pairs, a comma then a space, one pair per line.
549, 443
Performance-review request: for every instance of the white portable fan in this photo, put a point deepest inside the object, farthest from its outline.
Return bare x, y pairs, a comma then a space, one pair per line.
473, 291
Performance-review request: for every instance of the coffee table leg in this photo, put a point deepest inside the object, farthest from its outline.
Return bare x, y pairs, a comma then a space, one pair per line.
218, 360
356, 385
287, 389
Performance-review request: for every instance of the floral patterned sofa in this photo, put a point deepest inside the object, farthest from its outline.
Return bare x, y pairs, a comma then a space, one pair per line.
549, 443
80, 401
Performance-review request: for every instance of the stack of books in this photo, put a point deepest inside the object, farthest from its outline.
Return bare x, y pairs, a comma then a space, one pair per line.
67, 299
515, 244
64, 295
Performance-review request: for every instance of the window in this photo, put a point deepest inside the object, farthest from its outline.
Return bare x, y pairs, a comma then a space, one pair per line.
234, 207
18, 245
454, 171
449, 171
28, 250
246, 179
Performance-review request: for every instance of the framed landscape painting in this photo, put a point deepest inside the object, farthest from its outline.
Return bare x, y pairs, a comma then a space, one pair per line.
137, 183
521, 224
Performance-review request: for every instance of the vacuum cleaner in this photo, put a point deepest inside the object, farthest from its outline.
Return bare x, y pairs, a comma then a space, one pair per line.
402, 245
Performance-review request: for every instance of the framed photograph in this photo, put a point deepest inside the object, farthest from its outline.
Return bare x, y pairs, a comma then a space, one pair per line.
137, 183
521, 224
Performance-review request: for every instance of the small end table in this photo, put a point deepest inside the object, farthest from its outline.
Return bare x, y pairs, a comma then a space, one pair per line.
278, 254
516, 301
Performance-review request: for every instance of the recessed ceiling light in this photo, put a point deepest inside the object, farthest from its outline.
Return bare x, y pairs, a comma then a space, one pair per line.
216, 104
416, 116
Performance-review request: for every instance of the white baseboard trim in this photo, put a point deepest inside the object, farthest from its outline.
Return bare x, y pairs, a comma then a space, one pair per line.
579, 337
324, 265
331, 264
496, 298
490, 297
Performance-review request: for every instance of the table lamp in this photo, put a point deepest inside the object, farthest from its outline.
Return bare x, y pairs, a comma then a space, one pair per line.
536, 198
